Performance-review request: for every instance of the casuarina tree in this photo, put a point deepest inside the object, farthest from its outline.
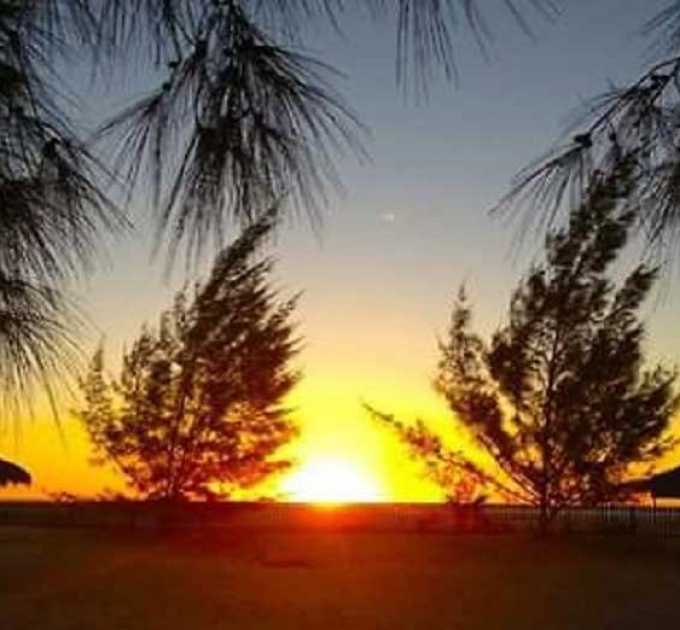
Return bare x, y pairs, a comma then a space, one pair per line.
198, 408
561, 398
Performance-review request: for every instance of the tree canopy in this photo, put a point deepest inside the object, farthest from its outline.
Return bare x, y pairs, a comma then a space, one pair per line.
198, 409
633, 125
561, 398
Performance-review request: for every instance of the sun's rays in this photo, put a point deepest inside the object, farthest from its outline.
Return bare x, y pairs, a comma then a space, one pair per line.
331, 480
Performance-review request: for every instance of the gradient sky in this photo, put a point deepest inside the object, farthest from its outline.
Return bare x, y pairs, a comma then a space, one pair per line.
380, 275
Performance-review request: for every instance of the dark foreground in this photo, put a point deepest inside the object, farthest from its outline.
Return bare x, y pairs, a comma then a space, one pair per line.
58, 579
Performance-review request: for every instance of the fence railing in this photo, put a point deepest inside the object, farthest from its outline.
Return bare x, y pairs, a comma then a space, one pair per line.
659, 521
401, 517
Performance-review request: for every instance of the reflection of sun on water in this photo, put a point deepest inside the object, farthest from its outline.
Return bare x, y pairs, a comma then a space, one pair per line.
331, 481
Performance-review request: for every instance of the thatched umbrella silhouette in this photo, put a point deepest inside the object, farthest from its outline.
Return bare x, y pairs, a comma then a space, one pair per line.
11, 473
665, 485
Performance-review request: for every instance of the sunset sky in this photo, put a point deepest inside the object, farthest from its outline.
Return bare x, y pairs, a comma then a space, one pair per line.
379, 276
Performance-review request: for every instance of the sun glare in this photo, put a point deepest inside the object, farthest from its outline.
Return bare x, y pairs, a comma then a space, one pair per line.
331, 481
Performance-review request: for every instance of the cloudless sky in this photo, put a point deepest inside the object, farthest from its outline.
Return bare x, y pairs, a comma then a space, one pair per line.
380, 275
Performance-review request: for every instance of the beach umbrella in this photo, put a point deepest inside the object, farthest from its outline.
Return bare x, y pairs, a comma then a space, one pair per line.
665, 485
12, 474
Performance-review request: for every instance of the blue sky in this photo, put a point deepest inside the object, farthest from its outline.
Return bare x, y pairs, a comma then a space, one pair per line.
414, 221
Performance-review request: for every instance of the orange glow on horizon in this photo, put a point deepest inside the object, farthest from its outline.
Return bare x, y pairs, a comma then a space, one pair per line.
333, 481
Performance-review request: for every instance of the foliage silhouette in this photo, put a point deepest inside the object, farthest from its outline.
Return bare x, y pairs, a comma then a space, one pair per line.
560, 398
197, 410
53, 207
635, 125
240, 118
463, 481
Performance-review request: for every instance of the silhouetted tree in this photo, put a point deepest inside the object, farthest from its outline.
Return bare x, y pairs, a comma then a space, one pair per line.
560, 398
197, 410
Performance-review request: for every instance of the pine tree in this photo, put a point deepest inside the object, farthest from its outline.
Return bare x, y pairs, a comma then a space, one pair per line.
561, 398
197, 411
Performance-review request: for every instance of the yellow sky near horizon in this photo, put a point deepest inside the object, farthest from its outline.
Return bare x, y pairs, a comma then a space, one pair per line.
333, 424
334, 428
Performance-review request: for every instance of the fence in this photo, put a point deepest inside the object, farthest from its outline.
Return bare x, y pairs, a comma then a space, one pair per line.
403, 518
623, 519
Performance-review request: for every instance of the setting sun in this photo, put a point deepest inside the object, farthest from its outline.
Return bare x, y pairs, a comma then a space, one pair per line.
331, 481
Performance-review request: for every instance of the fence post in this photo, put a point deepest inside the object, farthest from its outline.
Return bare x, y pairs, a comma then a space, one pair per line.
632, 519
